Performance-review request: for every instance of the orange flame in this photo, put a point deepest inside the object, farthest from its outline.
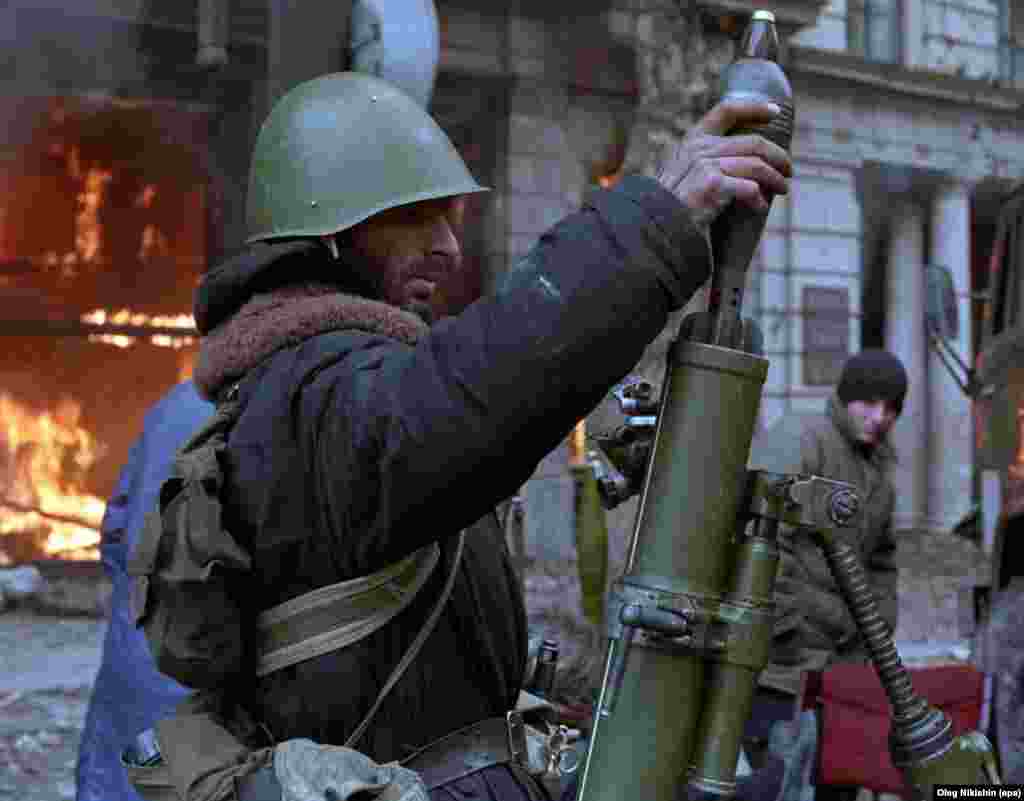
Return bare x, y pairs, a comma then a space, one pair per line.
1020, 436
578, 443
1016, 470
89, 234
139, 320
44, 459
88, 231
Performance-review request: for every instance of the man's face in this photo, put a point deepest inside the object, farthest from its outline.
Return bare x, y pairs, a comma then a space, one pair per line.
410, 255
872, 420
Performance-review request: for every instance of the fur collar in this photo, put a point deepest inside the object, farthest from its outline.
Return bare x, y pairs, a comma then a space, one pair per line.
286, 316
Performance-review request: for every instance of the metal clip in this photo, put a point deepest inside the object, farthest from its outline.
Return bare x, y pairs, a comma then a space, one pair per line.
563, 758
515, 728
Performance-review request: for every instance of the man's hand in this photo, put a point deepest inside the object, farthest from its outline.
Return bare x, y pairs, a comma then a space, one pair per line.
708, 169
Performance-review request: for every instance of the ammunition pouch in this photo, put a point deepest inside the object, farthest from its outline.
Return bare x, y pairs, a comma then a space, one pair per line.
205, 751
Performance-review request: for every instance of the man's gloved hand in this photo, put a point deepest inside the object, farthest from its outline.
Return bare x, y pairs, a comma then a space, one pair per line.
708, 169
307, 771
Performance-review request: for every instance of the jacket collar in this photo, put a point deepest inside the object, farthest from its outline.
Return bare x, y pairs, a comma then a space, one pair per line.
270, 296
882, 454
286, 316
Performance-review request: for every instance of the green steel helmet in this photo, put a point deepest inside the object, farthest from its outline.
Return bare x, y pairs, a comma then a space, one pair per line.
340, 148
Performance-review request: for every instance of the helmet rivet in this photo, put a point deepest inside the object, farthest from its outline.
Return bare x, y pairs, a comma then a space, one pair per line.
312, 203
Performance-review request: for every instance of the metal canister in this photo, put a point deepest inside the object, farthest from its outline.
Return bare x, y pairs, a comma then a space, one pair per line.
543, 681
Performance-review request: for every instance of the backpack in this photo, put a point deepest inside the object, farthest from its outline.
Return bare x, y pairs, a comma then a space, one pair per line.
189, 577
188, 591
187, 571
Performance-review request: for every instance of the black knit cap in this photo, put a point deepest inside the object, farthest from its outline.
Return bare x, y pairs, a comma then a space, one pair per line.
871, 375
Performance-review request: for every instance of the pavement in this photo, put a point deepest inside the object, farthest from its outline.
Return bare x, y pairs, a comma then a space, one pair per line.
47, 668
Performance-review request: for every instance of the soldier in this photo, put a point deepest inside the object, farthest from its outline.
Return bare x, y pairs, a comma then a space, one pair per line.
849, 442
367, 435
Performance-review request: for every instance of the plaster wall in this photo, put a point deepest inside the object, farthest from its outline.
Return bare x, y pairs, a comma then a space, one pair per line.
830, 32
961, 36
813, 240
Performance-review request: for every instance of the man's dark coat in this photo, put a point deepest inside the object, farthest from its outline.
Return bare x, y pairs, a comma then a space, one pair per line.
366, 435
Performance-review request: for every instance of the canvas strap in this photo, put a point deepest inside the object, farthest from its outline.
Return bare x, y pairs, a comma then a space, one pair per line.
338, 615
415, 646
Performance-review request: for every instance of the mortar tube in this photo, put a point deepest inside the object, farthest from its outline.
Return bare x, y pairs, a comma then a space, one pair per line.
733, 680
682, 546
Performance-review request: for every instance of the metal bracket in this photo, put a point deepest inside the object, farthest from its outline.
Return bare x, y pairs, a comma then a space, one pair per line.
515, 729
802, 500
652, 618
637, 397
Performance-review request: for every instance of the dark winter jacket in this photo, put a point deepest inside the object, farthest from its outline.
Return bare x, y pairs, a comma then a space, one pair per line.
365, 435
825, 445
129, 695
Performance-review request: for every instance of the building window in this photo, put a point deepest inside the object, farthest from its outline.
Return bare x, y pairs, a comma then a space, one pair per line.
826, 334
1011, 51
873, 29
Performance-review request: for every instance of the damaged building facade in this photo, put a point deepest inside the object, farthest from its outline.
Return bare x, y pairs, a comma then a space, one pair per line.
128, 124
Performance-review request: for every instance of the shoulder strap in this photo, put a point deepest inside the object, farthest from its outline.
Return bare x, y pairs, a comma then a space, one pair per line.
340, 614
414, 647
227, 414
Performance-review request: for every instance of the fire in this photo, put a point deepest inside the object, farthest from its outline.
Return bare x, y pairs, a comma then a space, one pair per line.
101, 317
88, 231
44, 460
1017, 469
578, 443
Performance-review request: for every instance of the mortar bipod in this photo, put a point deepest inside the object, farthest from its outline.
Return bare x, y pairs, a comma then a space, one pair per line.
921, 741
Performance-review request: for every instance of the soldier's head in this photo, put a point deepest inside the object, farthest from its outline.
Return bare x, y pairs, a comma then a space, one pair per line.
408, 256
873, 386
352, 160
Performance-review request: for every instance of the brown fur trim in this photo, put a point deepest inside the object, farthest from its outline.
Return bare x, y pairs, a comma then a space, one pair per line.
286, 317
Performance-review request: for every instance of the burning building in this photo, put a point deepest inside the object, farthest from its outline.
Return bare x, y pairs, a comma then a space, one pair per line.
127, 129
126, 134
103, 218
109, 186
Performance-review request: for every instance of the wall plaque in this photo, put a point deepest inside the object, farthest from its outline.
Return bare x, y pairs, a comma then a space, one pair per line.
826, 334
